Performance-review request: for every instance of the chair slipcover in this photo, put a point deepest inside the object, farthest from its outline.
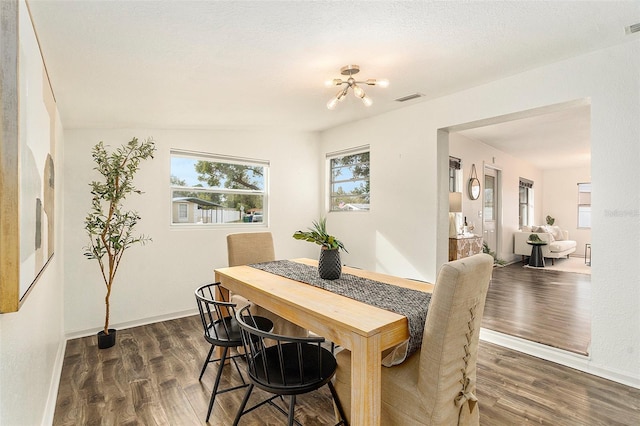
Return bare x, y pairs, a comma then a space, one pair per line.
437, 384
257, 247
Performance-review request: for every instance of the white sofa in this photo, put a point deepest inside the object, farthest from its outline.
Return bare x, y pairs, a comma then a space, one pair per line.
558, 242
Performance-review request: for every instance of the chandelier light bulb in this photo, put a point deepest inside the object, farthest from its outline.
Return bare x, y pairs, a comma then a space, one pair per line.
367, 101
334, 82
339, 97
357, 90
382, 82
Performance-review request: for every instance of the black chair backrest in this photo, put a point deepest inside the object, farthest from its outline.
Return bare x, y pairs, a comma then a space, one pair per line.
282, 364
218, 316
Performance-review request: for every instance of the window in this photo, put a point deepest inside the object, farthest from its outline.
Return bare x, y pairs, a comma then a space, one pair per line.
455, 170
214, 189
490, 196
584, 205
526, 202
349, 183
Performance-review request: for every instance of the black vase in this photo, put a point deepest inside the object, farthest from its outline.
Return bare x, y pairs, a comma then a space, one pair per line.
329, 266
106, 340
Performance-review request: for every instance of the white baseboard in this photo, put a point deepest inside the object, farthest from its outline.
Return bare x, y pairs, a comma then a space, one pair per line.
548, 353
50, 406
129, 324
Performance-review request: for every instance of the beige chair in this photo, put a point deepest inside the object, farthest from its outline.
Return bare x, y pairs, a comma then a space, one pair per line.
257, 247
436, 385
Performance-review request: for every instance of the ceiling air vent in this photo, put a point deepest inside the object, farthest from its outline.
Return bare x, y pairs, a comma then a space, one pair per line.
409, 97
633, 28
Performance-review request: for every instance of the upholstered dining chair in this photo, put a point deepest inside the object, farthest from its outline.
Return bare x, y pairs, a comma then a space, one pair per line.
221, 329
436, 385
284, 366
257, 247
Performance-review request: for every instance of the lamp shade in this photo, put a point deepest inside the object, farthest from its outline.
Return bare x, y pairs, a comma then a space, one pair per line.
455, 202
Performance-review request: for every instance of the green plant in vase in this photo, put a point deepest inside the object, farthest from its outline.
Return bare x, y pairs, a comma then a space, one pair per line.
108, 224
329, 266
534, 238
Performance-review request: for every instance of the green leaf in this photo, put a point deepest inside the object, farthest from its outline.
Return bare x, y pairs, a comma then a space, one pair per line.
318, 234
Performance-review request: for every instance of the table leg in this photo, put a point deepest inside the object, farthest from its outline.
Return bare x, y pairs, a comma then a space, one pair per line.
366, 365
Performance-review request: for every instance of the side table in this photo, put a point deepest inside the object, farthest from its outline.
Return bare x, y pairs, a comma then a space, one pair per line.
464, 246
536, 260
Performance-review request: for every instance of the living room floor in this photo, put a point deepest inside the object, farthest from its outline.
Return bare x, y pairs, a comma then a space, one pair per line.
150, 377
545, 306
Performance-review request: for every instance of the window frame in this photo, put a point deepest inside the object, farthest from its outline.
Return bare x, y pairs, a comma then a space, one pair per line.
330, 181
581, 204
224, 159
527, 186
455, 174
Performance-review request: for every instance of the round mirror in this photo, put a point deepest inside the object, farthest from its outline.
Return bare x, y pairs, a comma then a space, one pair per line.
474, 188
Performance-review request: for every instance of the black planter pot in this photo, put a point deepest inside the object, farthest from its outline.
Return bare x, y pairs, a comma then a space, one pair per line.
329, 266
106, 340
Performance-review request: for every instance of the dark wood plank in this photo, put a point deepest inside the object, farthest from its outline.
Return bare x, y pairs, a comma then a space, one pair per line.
515, 388
151, 378
548, 307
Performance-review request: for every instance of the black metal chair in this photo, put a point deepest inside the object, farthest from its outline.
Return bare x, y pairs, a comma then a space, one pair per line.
284, 365
221, 329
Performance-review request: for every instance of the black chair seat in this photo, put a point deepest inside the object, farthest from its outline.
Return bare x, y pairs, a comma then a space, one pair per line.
318, 367
227, 332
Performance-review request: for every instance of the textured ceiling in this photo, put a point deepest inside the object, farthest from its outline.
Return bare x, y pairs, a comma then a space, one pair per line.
230, 64
553, 140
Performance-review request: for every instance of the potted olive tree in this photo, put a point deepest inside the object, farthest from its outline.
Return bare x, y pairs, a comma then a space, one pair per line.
329, 266
109, 226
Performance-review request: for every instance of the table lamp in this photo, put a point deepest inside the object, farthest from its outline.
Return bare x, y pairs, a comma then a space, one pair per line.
455, 208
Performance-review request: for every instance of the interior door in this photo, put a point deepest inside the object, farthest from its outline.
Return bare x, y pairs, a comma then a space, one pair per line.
491, 209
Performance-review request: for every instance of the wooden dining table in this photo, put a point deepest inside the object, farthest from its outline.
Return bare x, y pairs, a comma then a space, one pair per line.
363, 329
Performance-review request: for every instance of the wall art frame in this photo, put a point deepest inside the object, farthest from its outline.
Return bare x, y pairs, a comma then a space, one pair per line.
27, 153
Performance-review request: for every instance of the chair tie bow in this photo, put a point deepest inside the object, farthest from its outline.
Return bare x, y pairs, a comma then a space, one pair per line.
466, 396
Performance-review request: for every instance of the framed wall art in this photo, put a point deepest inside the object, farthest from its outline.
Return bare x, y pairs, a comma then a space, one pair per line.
27, 153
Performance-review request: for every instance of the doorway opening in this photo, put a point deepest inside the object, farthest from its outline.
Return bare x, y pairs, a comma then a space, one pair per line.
550, 146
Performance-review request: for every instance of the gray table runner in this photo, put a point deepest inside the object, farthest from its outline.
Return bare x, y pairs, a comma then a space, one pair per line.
413, 304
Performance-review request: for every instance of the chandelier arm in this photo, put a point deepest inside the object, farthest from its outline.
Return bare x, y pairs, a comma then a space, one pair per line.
369, 82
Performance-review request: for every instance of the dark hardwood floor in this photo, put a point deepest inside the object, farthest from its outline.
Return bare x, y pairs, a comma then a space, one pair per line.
540, 305
151, 378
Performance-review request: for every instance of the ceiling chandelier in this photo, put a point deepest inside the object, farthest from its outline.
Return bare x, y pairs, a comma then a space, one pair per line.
351, 70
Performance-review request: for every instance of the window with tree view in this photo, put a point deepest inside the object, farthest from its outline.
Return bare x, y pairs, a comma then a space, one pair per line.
349, 186
215, 190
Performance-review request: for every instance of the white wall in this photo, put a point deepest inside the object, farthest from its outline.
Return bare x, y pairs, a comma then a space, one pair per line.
560, 201
409, 170
158, 280
32, 339
512, 168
